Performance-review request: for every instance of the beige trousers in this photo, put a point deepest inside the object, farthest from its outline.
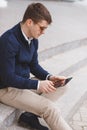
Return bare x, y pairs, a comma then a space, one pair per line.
30, 101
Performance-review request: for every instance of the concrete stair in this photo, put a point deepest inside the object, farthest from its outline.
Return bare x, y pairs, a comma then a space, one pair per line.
65, 59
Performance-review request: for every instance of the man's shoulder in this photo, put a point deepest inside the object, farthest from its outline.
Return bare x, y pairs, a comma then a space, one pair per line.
9, 39
9, 34
10, 31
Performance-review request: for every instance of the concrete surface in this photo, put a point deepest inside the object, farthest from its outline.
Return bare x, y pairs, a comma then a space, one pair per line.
79, 119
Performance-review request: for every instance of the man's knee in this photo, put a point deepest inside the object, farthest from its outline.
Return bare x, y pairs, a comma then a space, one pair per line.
49, 108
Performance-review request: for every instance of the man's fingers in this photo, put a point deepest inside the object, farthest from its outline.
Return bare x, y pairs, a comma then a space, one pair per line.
51, 88
47, 86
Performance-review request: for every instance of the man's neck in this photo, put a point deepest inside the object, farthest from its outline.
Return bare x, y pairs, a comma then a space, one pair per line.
24, 29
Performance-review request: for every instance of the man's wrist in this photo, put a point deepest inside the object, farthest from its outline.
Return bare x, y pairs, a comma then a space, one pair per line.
38, 85
48, 76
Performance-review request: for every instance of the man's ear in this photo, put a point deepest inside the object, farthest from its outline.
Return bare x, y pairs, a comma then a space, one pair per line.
29, 22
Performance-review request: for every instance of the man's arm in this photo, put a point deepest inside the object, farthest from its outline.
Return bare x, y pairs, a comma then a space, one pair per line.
35, 68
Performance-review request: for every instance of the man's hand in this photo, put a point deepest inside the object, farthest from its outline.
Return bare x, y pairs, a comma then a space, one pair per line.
46, 86
57, 80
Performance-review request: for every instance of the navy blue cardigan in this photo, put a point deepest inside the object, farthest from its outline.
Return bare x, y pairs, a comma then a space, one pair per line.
18, 59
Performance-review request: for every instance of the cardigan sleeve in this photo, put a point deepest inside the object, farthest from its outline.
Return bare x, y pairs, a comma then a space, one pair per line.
35, 67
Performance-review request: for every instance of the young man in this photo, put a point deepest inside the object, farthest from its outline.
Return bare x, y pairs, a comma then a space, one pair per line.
19, 58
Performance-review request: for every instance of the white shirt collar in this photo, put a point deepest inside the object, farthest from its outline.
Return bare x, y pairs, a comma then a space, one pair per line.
28, 39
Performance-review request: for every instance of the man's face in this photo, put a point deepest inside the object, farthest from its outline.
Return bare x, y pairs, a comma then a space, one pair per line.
36, 29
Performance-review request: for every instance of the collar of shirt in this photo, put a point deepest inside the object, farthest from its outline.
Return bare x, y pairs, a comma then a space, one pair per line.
28, 39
